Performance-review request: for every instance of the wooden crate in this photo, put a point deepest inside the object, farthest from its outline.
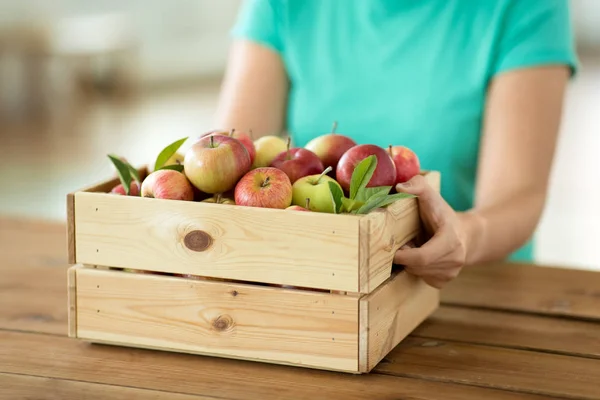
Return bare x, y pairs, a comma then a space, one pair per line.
347, 309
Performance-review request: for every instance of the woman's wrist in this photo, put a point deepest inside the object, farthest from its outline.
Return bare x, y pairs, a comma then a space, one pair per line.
473, 234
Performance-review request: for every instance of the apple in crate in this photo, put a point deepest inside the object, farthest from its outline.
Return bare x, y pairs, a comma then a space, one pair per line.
384, 174
134, 189
267, 148
215, 163
297, 162
299, 208
406, 161
330, 147
218, 199
313, 191
266, 187
167, 184
175, 159
243, 137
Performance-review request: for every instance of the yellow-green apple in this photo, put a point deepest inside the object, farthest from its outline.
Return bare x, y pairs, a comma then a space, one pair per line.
167, 184
316, 189
219, 199
134, 189
300, 208
215, 163
245, 138
297, 162
267, 148
330, 147
266, 187
406, 161
175, 159
384, 174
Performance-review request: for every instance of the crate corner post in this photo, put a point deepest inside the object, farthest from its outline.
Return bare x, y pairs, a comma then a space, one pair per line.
72, 300
72, 259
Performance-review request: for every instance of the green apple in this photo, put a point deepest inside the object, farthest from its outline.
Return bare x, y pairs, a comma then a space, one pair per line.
316, 189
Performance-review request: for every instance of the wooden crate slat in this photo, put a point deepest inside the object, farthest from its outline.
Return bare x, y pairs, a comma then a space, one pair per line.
508, 329
318, 250
393, 311
207, 317
533, 372
58, 357
550, 291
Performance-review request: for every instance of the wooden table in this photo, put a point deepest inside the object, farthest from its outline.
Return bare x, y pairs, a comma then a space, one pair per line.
504, 331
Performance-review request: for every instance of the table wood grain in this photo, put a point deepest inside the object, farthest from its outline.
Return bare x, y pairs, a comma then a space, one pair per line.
499, 334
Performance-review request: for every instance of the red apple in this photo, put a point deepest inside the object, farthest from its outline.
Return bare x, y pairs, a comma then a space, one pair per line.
245, 138
167, 184
297, 162
215, 163
330, 147
134, 189
266, 187
406, 161
385, 172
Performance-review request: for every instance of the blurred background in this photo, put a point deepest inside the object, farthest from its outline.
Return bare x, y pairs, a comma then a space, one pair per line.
81, 78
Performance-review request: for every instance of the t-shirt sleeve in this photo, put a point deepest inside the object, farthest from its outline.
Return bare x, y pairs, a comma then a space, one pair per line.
536, 32
260, 21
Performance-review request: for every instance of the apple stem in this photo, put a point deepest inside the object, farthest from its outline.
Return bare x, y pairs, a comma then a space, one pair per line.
390, 150
231, 132
266, 182
327, 170
334, 127
308, 203
212, 141
251, 134
289, 142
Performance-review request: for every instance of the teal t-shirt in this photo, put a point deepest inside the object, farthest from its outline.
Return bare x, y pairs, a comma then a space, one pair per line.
407, 72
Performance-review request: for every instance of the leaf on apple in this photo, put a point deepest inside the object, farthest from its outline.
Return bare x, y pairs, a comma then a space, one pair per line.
167, 153
369, 192
336, 196
362, 174
351, 206
176, 167
134, 173
124, 172
382, 201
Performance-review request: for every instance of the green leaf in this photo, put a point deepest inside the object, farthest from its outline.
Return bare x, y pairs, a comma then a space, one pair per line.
134, 173
362, 174
350, 206
382, 201
369, 192
336, 196
167, 153
176, 167
123, 171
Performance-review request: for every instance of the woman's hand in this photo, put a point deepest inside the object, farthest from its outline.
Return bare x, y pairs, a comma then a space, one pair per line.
439, 259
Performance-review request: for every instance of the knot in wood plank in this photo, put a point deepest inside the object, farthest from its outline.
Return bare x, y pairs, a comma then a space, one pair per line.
223, 323
198, 240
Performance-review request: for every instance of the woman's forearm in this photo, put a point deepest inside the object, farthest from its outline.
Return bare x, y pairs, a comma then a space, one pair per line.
495, 232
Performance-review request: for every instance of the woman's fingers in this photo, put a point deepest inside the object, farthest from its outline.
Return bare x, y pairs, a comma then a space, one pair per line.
419, 257
431, 204
441, 257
